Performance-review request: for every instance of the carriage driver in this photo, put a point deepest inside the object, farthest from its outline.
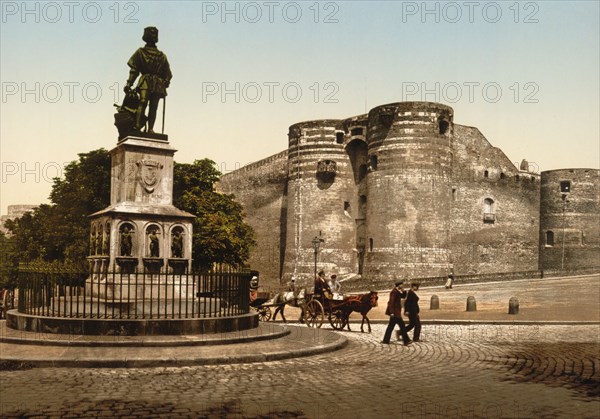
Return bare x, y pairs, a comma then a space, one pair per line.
321, 287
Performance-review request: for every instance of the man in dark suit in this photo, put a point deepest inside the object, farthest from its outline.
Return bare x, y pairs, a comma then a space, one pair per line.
321, 288
411, 308
394, 310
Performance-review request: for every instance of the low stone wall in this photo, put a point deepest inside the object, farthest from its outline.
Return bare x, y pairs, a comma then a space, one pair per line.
130, 327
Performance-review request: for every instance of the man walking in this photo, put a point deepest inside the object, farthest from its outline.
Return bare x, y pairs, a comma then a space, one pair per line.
411, 308
394, 310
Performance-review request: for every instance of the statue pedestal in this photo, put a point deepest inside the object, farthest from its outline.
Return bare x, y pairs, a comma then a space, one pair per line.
153, 265
141, 227
127, 265
143, 240
178, 266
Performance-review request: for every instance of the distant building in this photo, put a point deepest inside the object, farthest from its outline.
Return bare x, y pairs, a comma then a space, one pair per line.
14, 211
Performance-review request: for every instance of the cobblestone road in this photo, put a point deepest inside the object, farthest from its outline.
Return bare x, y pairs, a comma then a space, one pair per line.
457, 372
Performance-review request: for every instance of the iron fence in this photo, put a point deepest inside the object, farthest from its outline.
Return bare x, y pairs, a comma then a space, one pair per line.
56, 292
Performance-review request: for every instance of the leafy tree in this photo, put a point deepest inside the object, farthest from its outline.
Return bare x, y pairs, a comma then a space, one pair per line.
8, 263
59, 232
84, 190
220, 233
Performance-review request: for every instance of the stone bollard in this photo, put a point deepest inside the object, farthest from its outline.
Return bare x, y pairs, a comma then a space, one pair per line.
471, 304
435, 303
513, 305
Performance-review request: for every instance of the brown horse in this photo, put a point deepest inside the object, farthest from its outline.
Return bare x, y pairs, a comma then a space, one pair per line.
362, 304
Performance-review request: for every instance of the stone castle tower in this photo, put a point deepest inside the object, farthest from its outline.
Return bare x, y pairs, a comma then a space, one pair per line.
400, 191
570, 218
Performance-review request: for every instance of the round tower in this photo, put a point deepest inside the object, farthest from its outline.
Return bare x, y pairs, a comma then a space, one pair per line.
570, 219
319, 201
408, 184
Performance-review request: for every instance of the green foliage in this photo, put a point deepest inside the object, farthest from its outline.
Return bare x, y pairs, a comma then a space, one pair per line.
8, 262
220, 233
60, 232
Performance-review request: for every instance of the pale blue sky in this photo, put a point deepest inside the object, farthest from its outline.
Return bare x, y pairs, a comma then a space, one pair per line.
366, 56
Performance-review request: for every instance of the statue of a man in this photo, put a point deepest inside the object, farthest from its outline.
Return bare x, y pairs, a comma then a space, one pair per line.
156, 75
154, 253
177, 245
126, 242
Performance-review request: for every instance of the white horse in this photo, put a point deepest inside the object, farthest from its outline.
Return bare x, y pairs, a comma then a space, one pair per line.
294, 299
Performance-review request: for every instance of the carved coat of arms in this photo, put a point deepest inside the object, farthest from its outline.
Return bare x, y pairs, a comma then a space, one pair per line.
149, 174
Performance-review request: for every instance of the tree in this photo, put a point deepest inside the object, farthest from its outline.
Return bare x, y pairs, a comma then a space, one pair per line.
8, 264
220, 233
59, 232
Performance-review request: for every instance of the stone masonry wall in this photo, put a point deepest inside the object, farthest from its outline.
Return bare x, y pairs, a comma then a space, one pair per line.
507, 240
403, 191
320, 183
577, 216
261, 189
407, 185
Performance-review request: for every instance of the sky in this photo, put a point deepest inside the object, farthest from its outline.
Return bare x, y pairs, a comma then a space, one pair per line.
525, 73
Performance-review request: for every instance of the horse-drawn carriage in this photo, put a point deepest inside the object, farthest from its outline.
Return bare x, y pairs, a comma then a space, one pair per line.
314, 307
336, 307
259, 302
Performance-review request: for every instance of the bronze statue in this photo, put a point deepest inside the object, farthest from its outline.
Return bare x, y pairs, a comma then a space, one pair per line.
177, 245
98, 242
92, 243
105, 240
156, 75
126, 242
153, 244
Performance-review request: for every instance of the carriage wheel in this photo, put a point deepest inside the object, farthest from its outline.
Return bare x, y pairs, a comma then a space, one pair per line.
264, 314
337, 319
313, 314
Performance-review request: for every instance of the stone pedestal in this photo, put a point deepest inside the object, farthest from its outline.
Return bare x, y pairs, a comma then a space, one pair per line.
141, 229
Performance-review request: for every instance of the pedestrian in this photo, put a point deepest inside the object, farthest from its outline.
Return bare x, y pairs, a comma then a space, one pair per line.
449, 281
292, 285
394, 310
411, 308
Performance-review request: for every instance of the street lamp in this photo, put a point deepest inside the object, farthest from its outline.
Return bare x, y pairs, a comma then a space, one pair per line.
565, 200
316, 242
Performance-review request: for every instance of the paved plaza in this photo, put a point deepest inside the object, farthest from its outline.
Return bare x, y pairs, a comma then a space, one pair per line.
527, 370
488, 371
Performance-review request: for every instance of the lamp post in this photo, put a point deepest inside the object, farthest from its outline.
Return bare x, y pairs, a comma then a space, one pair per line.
316, 242
565, 200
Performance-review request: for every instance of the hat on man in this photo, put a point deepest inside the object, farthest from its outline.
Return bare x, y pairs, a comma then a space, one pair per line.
398, 282
321, 272
333, 276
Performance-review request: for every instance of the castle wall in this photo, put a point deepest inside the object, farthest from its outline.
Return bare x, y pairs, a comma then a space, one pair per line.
261, 188
408, 189
502, 234
405, 192
574, 222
